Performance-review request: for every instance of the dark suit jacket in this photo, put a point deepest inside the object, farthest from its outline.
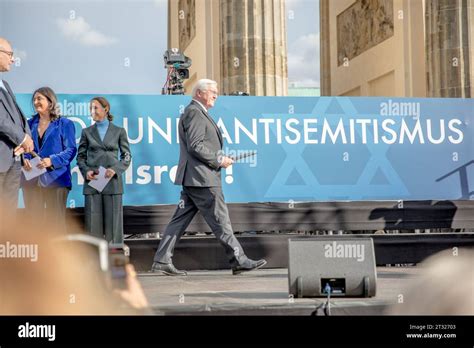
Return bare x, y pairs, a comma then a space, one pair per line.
200, 144
93, 153
12, 130
59, 144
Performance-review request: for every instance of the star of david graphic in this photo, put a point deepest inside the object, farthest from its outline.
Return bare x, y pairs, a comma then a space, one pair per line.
377, 164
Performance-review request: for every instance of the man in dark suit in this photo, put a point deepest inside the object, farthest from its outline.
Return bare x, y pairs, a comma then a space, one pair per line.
199, 172
15, 138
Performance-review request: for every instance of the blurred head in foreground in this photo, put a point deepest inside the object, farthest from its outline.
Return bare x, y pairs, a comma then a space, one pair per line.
43, 276
445, 286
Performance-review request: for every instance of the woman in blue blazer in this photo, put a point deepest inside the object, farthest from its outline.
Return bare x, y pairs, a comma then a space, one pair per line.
54, 138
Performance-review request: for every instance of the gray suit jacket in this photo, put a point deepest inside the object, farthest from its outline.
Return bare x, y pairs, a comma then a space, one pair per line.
200, 145
93, 153
13, 127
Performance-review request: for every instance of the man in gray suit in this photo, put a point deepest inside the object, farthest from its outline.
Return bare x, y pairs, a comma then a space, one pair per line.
199, 172
15, 138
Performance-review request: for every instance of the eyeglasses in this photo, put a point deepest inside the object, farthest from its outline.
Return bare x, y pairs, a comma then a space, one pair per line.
212, 92
9, 53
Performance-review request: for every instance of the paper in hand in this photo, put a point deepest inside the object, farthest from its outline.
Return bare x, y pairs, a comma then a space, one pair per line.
101, 181
34, 172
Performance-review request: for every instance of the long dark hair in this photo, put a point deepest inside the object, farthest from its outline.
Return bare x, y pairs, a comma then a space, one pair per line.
48, 93
106, 105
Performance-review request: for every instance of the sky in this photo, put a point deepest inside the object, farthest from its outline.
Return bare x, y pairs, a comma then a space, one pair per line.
117, 46
303, 43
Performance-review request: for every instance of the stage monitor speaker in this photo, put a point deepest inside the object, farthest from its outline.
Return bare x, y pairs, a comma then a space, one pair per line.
346, 264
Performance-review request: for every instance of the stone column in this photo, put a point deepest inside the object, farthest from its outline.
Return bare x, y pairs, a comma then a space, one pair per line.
449, 48
325, 48
253, 47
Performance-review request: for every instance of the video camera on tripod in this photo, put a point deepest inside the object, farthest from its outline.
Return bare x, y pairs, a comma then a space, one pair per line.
177, 64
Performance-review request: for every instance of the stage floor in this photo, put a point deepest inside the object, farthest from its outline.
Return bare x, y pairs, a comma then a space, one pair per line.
261, 292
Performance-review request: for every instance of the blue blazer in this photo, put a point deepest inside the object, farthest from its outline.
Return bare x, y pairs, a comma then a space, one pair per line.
59, 144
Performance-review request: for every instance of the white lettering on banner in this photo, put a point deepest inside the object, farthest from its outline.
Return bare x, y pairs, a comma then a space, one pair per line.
412, 135
266, 122
308, 129
129, 174
351, 130
363, 124
177, 133
333, 135
225, 134
153, 126
389, 130
145, 174
296, 130
75, 170
139, 138
376, 131
293, 130
240, 127
455, 130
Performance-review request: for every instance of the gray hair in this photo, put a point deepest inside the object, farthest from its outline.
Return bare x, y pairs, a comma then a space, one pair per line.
203, 85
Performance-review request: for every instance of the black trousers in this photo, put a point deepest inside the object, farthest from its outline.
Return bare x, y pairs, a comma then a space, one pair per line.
210, 202
9, 187
48, 204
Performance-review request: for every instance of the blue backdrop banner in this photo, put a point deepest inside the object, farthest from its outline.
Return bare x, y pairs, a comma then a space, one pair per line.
308, 149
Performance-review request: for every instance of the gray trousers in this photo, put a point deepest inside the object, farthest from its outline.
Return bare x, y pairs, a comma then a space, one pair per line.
47, 203
104, 217
210, 202
9, 187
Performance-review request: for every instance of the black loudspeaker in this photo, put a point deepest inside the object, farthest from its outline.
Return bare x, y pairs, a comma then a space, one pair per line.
344, 266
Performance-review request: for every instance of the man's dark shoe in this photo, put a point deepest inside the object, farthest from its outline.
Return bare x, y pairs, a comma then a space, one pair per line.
167, 269
248, 266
